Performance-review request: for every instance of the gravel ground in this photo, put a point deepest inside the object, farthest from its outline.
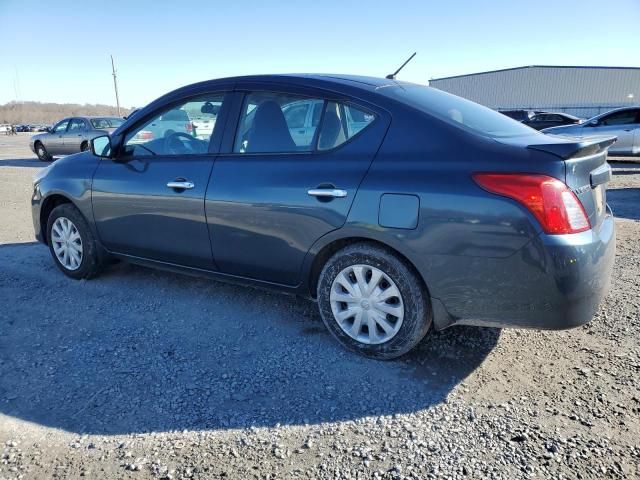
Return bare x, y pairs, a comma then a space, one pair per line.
145, 374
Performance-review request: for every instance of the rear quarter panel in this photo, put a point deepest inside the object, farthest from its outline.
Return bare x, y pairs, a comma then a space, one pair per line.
465, 237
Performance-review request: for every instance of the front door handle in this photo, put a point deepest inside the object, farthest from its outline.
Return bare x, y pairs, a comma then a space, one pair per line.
327, 192
181, 185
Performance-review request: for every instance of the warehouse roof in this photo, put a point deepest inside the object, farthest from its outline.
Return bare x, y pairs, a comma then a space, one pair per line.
532, 66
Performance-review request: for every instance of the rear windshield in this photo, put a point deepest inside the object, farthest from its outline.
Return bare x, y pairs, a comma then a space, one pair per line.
457, 110
176, 115
106, 122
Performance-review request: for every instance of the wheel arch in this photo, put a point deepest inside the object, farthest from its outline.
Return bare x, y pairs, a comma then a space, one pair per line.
321, 253
327, 250
48, 204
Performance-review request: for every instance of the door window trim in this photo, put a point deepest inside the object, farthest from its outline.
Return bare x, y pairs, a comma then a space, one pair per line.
244, 92
68, 120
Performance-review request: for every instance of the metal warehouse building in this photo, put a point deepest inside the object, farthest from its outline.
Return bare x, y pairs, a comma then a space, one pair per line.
580, 91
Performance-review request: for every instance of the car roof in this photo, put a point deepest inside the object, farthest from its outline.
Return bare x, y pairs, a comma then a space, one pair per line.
302, 79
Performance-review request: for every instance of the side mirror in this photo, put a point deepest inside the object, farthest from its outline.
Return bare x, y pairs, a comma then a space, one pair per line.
593, 123
101, 146
49, 130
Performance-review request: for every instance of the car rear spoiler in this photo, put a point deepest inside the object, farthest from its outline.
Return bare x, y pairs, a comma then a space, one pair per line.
577, 148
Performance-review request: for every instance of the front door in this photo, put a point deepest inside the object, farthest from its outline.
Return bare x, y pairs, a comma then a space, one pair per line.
148, 201
55, 139
271, 196
621, 124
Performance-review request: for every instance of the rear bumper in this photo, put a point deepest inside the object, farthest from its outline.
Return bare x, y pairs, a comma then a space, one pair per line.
555, 282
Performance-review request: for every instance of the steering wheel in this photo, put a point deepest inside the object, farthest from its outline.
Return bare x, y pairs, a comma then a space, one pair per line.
174, 144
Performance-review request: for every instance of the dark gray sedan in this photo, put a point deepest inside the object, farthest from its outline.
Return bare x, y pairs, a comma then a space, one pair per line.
403, 209
71, 135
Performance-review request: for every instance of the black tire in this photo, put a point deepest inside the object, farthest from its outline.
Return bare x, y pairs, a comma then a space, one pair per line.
90, 263
84, 146
42, 153
417, 308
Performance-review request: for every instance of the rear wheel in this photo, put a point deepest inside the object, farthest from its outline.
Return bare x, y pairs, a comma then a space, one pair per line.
71, 242
372, 302
42, 153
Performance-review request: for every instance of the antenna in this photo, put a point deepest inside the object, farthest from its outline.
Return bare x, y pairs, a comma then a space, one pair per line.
115, 83
392, 76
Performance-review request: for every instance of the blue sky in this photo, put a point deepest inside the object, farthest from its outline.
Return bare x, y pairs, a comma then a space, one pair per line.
59, 50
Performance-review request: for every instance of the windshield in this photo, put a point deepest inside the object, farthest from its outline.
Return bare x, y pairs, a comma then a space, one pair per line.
106, 122
457, 110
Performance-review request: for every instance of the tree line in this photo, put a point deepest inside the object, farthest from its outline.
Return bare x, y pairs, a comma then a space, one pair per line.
48, 113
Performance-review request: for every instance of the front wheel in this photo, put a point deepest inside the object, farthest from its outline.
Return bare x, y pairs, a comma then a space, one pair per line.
42, 153
372, 302
71, 242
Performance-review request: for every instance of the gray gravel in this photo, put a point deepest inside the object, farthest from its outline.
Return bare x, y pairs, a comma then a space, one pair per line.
145, 374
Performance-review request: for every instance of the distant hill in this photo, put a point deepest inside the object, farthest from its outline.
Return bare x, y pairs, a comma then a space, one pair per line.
48, 113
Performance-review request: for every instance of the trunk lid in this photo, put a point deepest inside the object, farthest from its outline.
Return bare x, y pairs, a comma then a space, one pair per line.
587, 171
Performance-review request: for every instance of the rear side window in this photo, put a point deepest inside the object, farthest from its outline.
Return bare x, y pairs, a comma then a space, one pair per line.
626, 117
340, 123
284, 123
456, 110
276, 122
106, 122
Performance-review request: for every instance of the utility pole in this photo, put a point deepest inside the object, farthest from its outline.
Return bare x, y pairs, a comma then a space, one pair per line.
115, 84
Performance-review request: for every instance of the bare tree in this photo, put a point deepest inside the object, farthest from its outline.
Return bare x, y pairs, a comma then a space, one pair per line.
48, 113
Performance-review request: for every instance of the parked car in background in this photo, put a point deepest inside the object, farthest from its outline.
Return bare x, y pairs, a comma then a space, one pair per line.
547, 119
71, 135
405, 208
623, 123
5, 128
519, 115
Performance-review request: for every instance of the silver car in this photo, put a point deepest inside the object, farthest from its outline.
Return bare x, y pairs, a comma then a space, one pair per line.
623, 123
71, 135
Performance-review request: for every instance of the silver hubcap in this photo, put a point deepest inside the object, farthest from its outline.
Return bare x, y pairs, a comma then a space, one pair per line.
367, 304
67, 244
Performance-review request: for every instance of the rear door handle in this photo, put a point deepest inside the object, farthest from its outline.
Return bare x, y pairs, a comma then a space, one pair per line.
327, 192
181, 185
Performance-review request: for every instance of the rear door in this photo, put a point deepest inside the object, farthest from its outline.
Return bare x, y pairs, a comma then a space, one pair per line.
272, 196
148, 201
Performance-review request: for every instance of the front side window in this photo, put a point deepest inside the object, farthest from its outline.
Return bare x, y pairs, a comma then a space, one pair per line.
183, 129
61, 127
626, 117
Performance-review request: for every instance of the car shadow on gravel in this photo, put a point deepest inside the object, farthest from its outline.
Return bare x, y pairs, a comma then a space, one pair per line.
22, 162
624, 202
139, 350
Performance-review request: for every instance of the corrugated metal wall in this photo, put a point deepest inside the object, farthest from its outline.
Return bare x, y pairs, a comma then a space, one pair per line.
581, 91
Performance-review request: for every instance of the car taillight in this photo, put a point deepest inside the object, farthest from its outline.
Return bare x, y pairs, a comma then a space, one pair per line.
554, 205
189, 127
145, 135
